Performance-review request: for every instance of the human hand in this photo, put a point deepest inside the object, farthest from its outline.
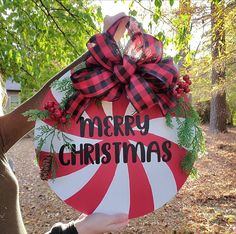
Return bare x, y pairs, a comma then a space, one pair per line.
109, 20
100, 223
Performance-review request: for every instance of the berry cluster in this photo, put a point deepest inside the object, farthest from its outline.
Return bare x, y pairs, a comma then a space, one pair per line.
56, 113
182, 87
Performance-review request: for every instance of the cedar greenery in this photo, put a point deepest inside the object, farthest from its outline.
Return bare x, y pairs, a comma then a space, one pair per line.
33, 115
189, 133
64, 85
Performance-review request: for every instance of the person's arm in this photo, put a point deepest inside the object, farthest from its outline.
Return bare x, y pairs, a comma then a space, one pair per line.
14, 125
92, 224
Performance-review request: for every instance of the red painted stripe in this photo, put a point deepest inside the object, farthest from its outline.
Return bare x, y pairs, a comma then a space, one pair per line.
90, 196
141, 199
178, 155
153, 113
175, 166
119, 107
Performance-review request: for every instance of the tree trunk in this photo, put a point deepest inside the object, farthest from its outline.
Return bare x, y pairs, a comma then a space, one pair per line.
218, 116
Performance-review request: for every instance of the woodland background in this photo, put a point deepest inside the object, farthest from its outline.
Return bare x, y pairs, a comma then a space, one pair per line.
41, 37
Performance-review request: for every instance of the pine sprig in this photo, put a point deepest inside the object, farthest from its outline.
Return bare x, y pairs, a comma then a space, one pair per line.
169, 120
64, 85
33, 115
45, 132
189, 133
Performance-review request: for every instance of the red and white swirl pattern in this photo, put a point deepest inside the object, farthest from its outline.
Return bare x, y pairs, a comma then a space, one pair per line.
133, 188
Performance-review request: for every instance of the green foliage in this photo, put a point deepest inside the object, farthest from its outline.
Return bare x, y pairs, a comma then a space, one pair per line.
65, 86
158, 3
171, 2
33, 115
46, 133
169, 120
39, 38
189, 133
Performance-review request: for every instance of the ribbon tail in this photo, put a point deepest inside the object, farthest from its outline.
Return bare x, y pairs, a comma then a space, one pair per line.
166, 102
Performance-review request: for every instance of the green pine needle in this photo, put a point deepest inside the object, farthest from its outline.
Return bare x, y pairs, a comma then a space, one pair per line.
64, 85
189, 133
33, 115
169, 120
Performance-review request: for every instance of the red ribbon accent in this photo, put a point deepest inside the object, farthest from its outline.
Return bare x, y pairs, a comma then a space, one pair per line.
141, 72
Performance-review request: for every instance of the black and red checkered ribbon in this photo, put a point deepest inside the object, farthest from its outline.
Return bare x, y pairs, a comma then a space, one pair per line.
141, 72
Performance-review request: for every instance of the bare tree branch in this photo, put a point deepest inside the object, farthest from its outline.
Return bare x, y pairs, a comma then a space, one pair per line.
26, 71
163, 18
48, 14
75, 16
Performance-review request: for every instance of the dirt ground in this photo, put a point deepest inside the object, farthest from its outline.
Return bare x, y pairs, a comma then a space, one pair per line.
205, 205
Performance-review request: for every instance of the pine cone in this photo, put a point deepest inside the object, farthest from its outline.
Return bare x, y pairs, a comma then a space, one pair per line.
46, 168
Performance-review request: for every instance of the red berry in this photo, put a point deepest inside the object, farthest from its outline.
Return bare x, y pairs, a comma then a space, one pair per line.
63, 119
175, 92
58, 113
179, 90
178, 96
50, 104
53, 117
186, 77
180, 84
52, 109
189, 82
187, 90
185, 86
45, 106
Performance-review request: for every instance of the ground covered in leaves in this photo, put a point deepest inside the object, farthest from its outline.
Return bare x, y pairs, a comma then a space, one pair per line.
205, 205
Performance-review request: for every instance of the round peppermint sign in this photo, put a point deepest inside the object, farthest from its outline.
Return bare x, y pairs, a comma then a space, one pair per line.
116, 133
121, 161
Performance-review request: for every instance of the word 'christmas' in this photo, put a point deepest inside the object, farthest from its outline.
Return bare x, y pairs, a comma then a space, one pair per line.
107, 152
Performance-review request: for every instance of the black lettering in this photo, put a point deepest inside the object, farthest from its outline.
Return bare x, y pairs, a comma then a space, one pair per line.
61, 156
134, 151
105, 149
88, 149
118, 121
153, 147
73, 154
81, 153
117, 151
106, 125
165, 147
91, 123
97, 153
129, 120
145, 128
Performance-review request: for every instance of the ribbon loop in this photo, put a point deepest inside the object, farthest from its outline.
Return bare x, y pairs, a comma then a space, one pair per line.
146, 78
125, 71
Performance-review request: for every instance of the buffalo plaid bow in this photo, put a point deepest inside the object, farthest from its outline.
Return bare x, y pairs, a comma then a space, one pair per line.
141, 72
